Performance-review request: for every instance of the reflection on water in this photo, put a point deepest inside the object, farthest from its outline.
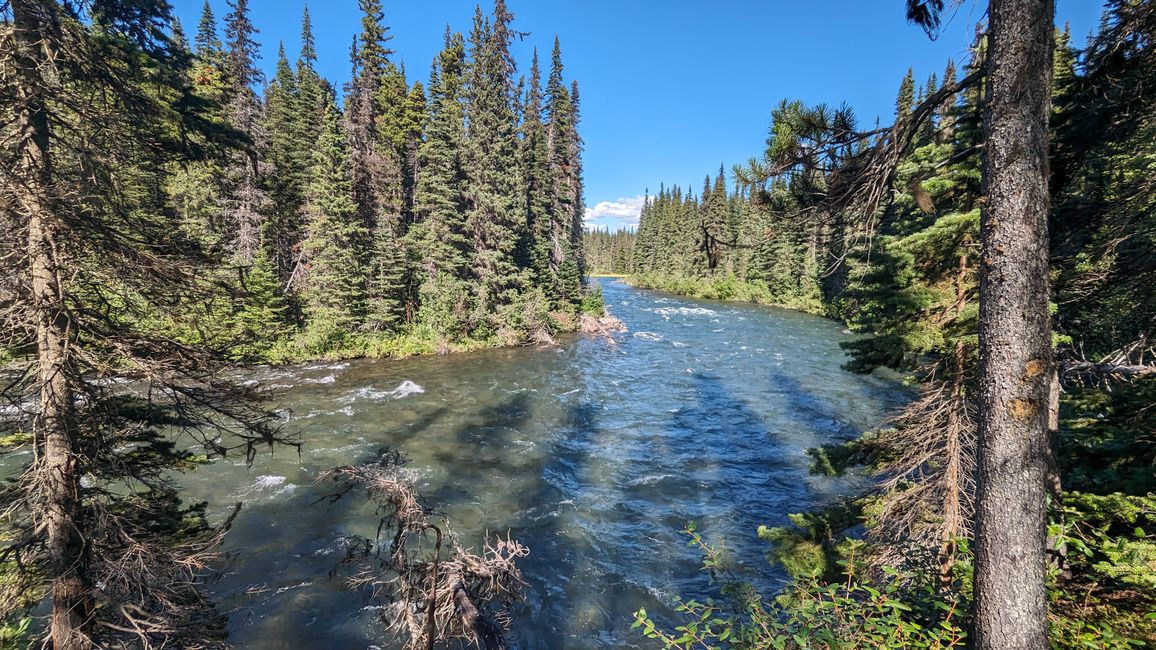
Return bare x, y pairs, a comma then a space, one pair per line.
595, 455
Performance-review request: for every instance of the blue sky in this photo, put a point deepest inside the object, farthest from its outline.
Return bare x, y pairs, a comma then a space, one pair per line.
670, 90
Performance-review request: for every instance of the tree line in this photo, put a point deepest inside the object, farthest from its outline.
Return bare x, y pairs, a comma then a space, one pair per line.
449, 211
996, 244
609, 253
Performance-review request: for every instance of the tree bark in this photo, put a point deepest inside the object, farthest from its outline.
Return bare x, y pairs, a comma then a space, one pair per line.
58, 474
1016, 360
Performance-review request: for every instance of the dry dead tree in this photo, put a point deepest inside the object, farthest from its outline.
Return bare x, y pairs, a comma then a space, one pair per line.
432, 595
1129, 363
928, 477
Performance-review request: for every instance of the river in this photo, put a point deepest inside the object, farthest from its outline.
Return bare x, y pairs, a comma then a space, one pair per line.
594, 454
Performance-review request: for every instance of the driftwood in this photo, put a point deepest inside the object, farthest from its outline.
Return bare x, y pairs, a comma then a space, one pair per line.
604, 325
447, 593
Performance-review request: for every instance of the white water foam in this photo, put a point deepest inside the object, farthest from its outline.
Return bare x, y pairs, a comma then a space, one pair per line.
667, 312
327, 379
266, 482
281, 590
648, 336
269, 485
404, 389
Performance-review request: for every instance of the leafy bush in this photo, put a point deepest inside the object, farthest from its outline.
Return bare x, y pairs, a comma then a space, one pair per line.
813, 613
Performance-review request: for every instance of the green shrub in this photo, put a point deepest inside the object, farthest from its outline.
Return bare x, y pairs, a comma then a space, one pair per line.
813, 613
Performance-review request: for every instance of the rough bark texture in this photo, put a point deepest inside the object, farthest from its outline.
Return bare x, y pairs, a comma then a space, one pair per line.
54, 426
1016, 361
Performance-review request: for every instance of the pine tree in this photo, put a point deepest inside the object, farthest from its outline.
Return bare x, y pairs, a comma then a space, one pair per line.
334, 285
289, 156
535, 163
495, 199
245, 199
906, 99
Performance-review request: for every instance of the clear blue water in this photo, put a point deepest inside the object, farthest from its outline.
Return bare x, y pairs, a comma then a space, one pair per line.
594, 454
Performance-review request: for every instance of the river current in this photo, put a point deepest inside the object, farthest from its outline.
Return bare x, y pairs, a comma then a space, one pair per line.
593, 453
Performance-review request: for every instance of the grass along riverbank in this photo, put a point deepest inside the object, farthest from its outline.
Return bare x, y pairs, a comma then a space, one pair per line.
723, 287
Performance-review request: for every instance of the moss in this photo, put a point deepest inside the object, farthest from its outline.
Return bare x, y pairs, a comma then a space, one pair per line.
16, 439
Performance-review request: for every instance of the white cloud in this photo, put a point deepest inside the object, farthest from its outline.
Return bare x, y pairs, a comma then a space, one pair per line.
619, 213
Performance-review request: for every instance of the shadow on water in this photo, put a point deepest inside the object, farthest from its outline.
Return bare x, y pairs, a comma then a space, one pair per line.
594, 455
809, 410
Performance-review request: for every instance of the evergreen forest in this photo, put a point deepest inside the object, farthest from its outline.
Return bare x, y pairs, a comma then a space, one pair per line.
209, 275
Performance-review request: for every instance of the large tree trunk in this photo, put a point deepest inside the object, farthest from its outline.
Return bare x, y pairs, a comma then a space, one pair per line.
57, 471
1016, 361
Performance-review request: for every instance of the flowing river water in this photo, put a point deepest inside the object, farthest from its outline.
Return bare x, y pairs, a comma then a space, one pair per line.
594, 454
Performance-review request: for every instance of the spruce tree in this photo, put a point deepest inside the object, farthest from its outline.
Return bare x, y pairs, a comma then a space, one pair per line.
559, 126
716, 232
375, 94
334, 285
439, 234
906, 98
376, 172
312, 91
495, 199
289, 156
535, 164
197, 186
102, 262
578, 193
438, 239
207, 42
245, 199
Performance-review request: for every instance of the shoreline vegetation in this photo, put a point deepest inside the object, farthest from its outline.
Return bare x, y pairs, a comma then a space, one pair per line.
346, 346
727, 288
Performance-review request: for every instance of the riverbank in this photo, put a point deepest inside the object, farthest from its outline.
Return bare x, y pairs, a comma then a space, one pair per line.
728, 288
594, 454
339, 345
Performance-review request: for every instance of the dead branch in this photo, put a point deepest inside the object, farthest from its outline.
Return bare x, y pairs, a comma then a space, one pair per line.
449, 594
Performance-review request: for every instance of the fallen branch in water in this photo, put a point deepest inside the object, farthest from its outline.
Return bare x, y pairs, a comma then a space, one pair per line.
603, 325
447, 595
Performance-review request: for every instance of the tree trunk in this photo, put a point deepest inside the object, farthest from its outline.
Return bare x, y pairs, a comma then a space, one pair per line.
57, 471
1016, 360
